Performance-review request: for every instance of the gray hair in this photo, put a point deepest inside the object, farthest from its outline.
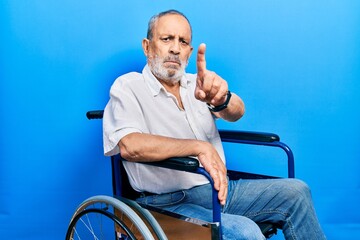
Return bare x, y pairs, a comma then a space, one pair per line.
156, 17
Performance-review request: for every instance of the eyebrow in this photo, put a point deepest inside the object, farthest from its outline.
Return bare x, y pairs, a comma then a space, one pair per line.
171, 36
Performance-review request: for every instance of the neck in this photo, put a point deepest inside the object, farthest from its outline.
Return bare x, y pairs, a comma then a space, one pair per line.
174, 89
170, 86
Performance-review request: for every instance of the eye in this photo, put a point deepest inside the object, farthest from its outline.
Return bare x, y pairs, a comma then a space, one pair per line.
165, 39
184, 42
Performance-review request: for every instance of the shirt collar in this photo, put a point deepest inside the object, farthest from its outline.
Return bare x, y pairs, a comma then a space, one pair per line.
154, 84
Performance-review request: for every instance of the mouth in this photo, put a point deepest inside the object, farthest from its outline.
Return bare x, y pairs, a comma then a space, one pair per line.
172, 62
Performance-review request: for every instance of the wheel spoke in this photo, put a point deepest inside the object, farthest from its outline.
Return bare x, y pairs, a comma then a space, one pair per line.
103, 218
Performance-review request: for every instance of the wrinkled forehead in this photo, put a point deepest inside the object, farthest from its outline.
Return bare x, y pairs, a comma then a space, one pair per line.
174, 25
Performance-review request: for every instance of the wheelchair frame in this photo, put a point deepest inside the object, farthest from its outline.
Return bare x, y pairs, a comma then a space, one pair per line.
140, 216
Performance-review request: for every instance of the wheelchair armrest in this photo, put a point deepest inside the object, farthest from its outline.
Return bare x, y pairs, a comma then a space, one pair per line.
187, 164
260, 138
96, 114
235, 136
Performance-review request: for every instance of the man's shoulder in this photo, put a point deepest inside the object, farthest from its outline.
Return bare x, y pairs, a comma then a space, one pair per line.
130, 76
126, 81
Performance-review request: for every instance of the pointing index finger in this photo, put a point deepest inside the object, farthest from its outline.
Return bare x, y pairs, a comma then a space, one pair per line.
200, 61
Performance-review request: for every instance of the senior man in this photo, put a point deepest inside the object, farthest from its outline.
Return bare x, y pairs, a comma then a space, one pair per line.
165, 112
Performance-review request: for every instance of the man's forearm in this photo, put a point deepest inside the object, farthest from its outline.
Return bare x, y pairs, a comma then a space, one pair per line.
140, 147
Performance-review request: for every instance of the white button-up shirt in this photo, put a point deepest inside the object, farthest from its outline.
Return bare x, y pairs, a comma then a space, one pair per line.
139, 103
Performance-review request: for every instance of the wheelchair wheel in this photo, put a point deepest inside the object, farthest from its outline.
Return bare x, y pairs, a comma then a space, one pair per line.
147, 217
104, 217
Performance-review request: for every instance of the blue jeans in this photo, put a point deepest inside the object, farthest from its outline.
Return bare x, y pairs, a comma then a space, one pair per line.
285, 202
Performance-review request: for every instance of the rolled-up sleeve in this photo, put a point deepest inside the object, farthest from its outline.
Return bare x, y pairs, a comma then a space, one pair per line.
122, 116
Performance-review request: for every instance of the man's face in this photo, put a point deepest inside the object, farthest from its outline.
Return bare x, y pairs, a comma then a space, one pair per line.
169, 49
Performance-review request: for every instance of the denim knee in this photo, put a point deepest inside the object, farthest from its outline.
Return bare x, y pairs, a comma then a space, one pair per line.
240, 228
297, 189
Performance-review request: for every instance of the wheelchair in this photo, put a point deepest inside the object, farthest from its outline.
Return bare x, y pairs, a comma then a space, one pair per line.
120, 217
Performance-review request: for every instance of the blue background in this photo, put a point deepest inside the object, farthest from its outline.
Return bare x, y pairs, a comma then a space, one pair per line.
296, 64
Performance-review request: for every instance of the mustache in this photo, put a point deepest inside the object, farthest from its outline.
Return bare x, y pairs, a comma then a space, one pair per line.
172, 59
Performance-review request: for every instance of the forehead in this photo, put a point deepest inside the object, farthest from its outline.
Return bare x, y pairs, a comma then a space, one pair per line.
172, 24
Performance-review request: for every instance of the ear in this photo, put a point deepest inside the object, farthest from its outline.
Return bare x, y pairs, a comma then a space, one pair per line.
191, 50
145, 45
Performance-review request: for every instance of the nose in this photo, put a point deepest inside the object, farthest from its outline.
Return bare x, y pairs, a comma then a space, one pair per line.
175, 47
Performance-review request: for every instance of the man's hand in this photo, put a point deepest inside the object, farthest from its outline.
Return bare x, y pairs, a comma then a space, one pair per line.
213, 164
210, 87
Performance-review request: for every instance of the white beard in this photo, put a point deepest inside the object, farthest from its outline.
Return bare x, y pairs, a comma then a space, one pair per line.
168, 74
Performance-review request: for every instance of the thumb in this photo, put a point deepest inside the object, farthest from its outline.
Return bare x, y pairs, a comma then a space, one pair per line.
199, 94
